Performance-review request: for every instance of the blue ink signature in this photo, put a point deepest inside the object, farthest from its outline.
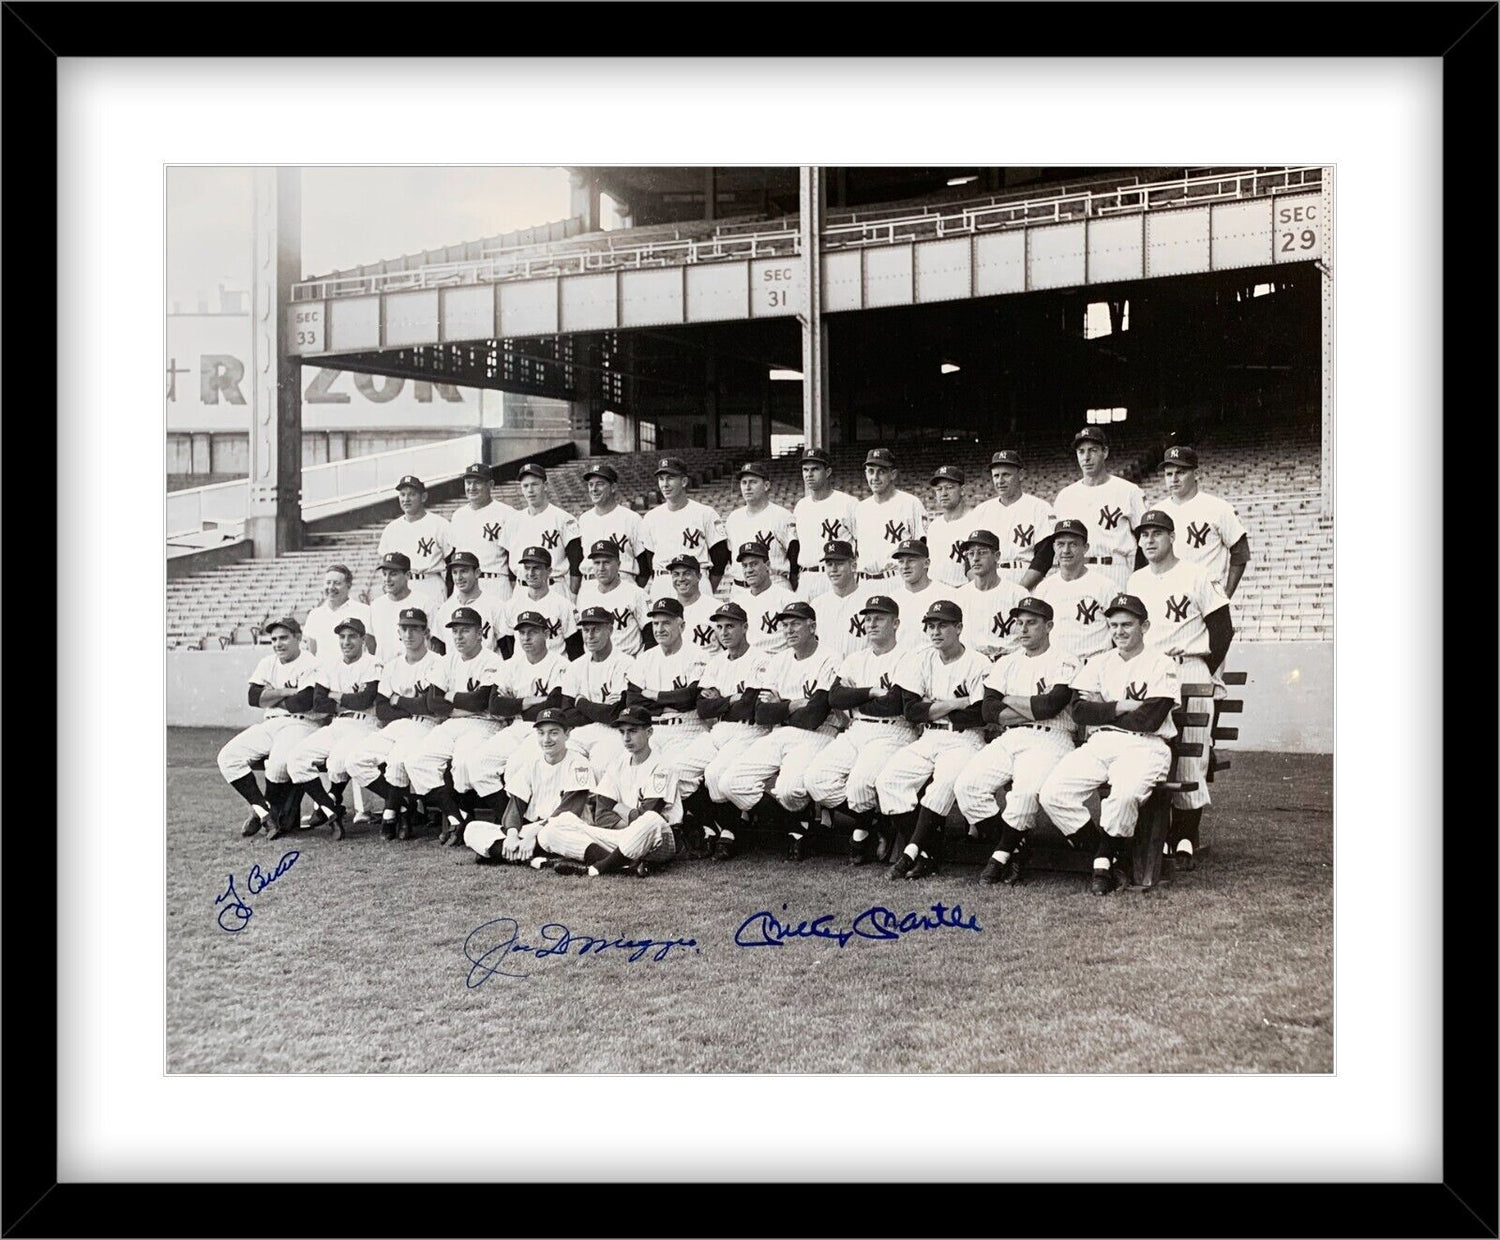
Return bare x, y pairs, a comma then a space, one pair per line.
555, 940
236, 911
764, 929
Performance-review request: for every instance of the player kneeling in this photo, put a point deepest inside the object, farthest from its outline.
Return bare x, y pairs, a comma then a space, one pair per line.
634, 824
542, 781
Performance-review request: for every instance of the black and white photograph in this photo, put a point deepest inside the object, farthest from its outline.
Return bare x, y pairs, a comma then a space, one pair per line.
749, 619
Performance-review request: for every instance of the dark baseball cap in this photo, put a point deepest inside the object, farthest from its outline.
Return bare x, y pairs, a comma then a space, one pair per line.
945, 610
910, 547
411, 615
532, 470
671, 465
797, 610
289, 623
479, 470
683, 560
537, 555
1007, 456
731, 611
532, 620
1070, 525
604, 550
464, 615
1036, 606
552, 714
882, 603
464, 559
1126, 602
595, 615
354, 624
949, 473
410, 480
756, 470
981, 538
633, 716
1179, 455
1155, 518
1091, 434
754, 550
396, 559
883, 457
817, 456
607, 472
665, 607
838, 549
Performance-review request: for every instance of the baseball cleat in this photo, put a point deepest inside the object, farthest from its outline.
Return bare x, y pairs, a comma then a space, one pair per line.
1184, 861
363, 818
277, 830
317, 818
924, 865
900, 867
723, 850
882, 848
251, 826
338, 823
387, 828
1102, 882
446, 834
482, 859
569, 869
797, 849
860, 852
993, 871
642, 869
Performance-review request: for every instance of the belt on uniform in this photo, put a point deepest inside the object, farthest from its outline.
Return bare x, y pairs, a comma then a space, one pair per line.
1145, 736
809, 568
1100, 559
353, 714
1034, 727
941, 726
887, 721
494, 574
668, 721
882, 576
420, 576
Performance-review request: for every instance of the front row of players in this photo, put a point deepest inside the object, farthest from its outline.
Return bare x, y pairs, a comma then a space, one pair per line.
592, 763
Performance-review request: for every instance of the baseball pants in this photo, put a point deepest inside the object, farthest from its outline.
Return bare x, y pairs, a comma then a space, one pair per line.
272, 739
1013, 570
1131, 764
845, 771
330, 746
1192, 670
395, 744
481, 836
483, 763
1118, 571
496, 586
709, 757
938, 755
811, 583
425, 767
599, 743
431, 592
648, 838
776, 763
1022, 757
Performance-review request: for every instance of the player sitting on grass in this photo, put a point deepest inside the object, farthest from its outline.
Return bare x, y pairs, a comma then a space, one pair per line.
636, 811
547, 780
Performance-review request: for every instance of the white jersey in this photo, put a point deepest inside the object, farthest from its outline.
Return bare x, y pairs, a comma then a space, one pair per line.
554, 608
945, 539
841, 629
697, 628
1207, 527
1079, 625
821, 521
599, 680
1109, 511
318, 632
924, 673
1178, 602
552, 530
425, 542
292, 677
544, 785
774, 526
524, 679
630, 785
491, 614
413, 679
339, 678
384, 613
764, 631
1149, 675
913, 606
659, 672
988, 626
879, 527
731, 677
626, 602
869, 669
1031, 675
619, 527
486, 668
1019, 526
484, 531
794, 678
690, 530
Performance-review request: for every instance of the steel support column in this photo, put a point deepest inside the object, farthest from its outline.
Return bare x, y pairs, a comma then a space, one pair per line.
710, 195
273, 519
583, 195
1325, 302
815, 425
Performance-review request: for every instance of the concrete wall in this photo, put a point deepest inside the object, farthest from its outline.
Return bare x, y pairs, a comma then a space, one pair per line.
1288, 696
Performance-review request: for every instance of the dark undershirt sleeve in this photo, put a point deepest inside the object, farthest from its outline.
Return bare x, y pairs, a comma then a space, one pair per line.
1148, 716
1094, 713
1049, 705
1041, 559
811, 716
1220, 634
914, 707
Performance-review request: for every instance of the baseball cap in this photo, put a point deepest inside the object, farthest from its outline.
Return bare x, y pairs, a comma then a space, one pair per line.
607, 472
683, 560
537, 555
354, 624
945, 610
981, 538
532, 470
1126, 602
464, 559
756, 470
755, 550
671, 465
883, 457
665, 607
463, 615
532, 620
882, 603
410, 480
1007, 456
1155, 518
479, 470
635, 716
411, 615
595, 615
397, 560
551, 714
289, 623
817, 456
1071, 525
909, 547
949, 473
838, 549
1036, 606
1091, 434
604, 549
730, 611
797, 610
1179, 455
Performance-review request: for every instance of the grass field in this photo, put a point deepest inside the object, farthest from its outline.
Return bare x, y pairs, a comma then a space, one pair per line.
354, 960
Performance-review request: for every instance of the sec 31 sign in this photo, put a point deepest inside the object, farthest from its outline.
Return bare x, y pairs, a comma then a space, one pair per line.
1297, 228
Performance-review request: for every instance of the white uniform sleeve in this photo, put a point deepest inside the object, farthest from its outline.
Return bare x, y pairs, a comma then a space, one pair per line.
713, 528
387, 541
1163, 681
441, 675
786, 532
609, 782
1210, 596
1087, 680
570, 531
262, 673
518, 775
1231, 529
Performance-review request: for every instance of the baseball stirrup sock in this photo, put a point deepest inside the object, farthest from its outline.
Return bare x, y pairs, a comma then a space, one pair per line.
380, 788
1009, 841
336, 789
613, 859
1185, 824
246, 786
314, 789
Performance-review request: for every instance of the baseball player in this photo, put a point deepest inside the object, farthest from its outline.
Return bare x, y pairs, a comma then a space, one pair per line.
915, 591
404, 708
595, 686
758, 520
1020, 519
1216, 540
624, 600
425, 539
1126, 696
823, 515
1028, 695
667, 677
942, 692
470, 593
283, 687
1190, 622
1106, 503
697, 607
479, 528
1078, 594
987, 599
545, 779
531, 681
543, 524
728, 693
610, 521
841, 626
319, 633
842, 777
794, 706
947, 531
762, 597
886, 518
346, 687
636, 816
395, 597
539, 598
474, 672
683, 527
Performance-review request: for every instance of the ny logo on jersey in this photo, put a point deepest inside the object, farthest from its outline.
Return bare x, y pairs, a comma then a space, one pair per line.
551, 538
622, 617
1109, 518
618, 542
1136, 692
1177, 609
679, 682
885, 680
416, 690
484, 632
831, 529
768, 623
539, 688
961, 691
1088, 609
1003, 624
474, 683
895, 531
703, 635
809, 687
492, 532
1198, 534
554, 628
426, 546
1041, 685
957, 554
1023, 534
740, 687
764, 537
856, 625
692, 538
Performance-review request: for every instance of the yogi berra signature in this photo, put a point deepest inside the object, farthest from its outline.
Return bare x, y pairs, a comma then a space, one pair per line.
554, 939
235, 914
764, 929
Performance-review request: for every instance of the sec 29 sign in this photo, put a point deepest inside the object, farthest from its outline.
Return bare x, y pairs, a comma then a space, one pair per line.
1297, 227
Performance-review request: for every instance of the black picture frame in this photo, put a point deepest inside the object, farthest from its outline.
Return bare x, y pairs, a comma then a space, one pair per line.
1465, 35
